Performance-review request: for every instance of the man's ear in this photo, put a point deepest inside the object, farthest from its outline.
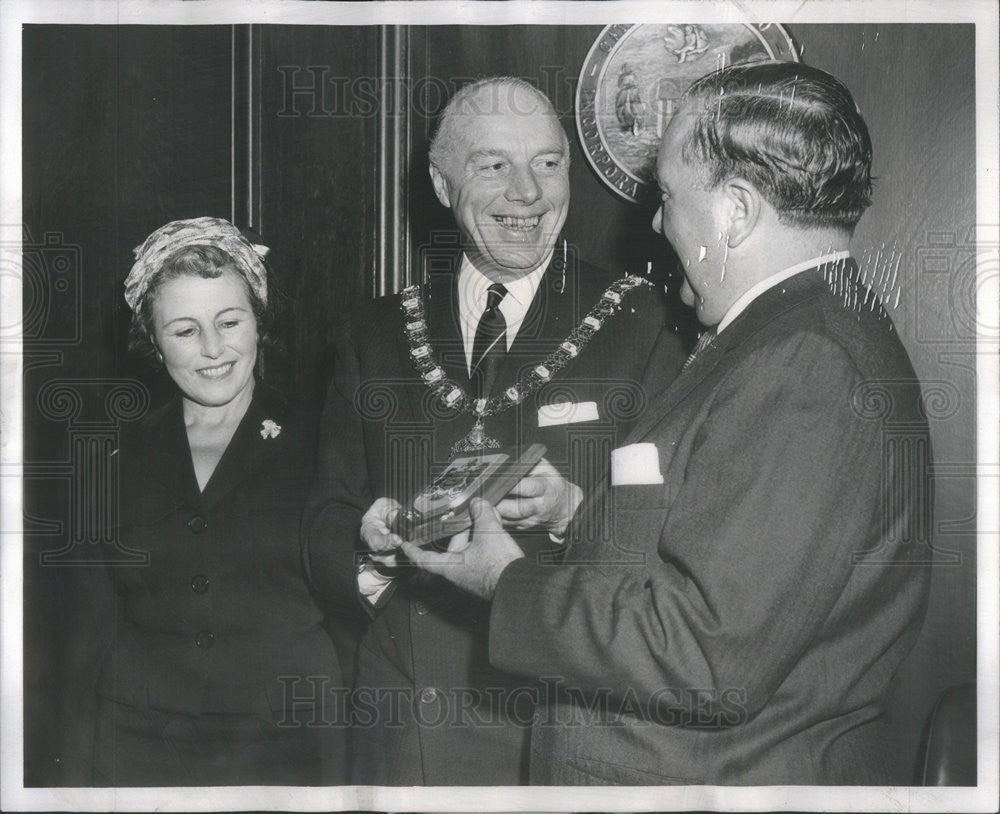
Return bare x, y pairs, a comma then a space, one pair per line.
440, 186
744, 203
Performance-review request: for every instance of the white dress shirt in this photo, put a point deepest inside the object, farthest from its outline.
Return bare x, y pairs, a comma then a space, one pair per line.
473, 286
768, 283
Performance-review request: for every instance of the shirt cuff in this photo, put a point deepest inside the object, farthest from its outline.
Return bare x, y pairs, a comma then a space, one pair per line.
372, 583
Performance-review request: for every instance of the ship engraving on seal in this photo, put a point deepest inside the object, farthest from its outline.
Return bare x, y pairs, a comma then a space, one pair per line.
634, 76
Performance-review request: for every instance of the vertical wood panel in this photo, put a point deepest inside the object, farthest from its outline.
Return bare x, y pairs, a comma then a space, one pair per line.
318, 141
392, 202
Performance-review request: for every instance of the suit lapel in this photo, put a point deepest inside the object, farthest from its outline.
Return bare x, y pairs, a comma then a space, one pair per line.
546, 322
170, 455
666, 400
441, 311
760, 313
543, 321
248, 451
550, 317
444, 324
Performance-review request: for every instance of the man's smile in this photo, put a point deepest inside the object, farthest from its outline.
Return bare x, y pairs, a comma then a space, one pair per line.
518, 224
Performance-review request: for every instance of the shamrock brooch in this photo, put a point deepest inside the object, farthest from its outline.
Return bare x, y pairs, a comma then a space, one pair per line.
269, 429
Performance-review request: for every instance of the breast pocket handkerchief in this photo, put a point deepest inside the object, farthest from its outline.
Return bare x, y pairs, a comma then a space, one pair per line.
635, 465
567, 412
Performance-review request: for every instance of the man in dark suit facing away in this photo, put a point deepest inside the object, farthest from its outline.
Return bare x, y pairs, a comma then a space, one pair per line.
551, 350
767, 569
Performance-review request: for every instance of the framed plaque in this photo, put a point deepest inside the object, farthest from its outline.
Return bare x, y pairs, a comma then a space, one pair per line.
633, 78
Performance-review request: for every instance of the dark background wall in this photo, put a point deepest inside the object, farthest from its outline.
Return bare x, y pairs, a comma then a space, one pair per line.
127, 128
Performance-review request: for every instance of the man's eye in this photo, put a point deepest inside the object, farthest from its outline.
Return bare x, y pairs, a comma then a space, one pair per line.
493, 168
549, 164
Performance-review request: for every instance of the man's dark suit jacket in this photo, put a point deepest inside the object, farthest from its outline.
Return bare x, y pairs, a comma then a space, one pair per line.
742, 622
220, 619
383, 434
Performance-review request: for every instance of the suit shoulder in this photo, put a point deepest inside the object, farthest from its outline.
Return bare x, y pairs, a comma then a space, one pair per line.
152, 420
867, 334
373, 313
834, 335
591, 280
366, 324
648, 301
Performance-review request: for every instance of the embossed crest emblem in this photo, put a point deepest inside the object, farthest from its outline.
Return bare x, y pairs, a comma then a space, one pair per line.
635, 74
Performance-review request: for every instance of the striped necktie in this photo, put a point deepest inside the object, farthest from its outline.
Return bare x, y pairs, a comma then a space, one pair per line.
490, 344
703, 342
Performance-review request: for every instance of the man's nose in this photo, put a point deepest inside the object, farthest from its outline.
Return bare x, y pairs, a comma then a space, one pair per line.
523, 186
211, 343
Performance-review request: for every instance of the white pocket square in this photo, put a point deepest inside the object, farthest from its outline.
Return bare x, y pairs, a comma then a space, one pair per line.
567, 412
635, 465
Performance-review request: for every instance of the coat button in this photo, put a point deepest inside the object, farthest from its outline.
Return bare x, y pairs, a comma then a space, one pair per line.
200, 583
421, 608
197, 524
428, 695
205, 639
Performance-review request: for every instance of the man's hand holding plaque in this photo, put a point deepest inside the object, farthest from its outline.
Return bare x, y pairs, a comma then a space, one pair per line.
475, 559
544, 499
376, 531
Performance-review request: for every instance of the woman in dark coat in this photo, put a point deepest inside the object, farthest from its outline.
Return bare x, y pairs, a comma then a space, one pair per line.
220, 672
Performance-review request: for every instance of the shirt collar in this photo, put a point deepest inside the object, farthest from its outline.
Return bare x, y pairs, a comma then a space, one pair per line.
472, 297
473, 284
768, 283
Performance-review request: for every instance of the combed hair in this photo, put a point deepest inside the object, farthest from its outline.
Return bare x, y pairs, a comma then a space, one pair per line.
446, 133
191, 261
793, 131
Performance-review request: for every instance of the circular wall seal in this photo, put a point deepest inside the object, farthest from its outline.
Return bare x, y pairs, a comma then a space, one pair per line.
633, 77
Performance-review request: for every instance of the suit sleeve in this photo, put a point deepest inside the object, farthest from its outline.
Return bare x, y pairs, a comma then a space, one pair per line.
340, 493
754, 551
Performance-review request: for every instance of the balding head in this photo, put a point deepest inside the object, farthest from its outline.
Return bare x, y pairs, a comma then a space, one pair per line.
496, 95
